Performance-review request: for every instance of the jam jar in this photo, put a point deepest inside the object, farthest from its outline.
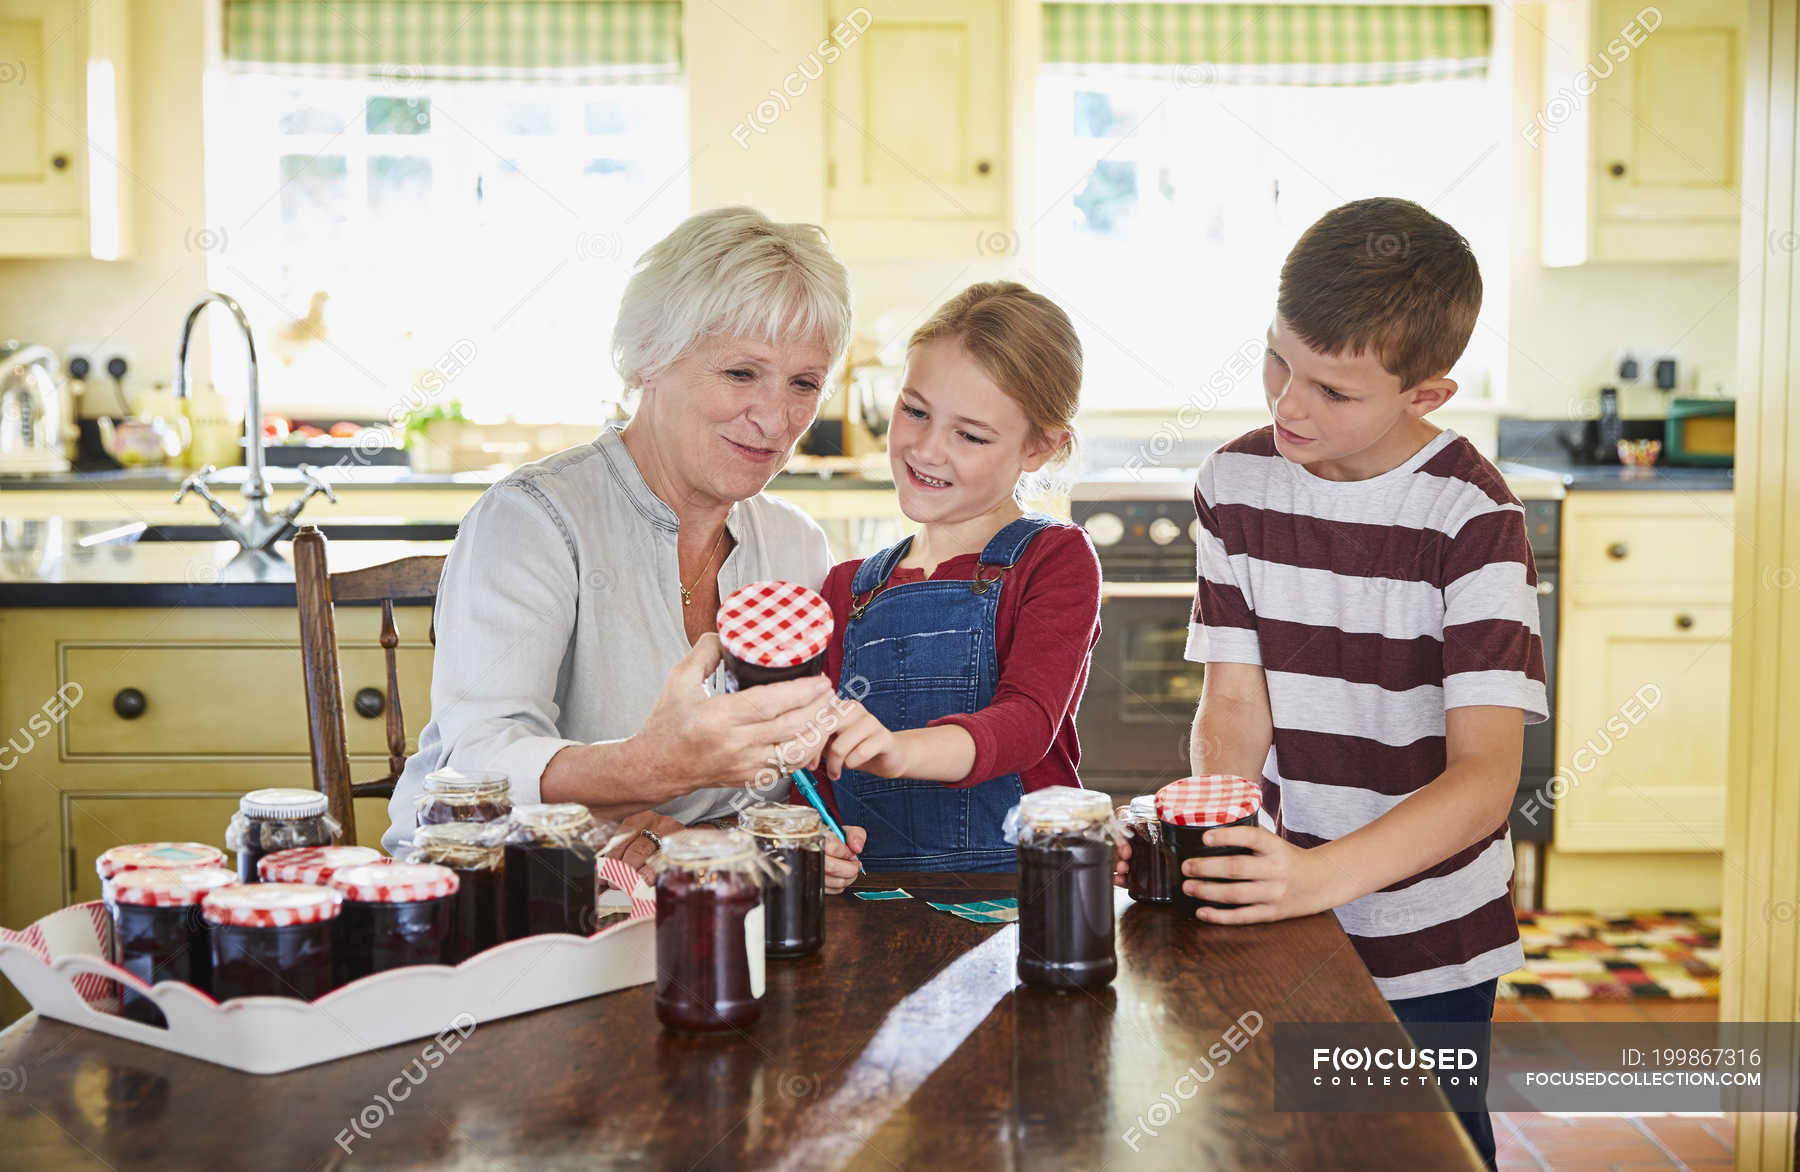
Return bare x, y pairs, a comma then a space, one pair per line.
473, 851
792, 838
143, 855
709, 930
271, 939
772, 631
394, 914
270, 820
312, 864
551, 869
454, 796
158, 934
1189, 808
1151, 875
1066, 839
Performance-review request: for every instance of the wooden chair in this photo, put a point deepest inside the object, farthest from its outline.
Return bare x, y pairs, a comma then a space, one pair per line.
413, 579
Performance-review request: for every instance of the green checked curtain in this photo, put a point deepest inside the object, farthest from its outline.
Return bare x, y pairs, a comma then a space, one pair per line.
1293, 44
613, 40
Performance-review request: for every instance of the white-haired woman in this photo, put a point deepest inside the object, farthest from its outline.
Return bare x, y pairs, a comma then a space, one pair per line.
576, 610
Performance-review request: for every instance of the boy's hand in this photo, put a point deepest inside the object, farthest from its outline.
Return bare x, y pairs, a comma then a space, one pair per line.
1282, 880
841, 866
862, 742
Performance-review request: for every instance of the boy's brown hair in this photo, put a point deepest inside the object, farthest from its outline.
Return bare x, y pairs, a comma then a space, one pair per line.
1387, 277
1025, 343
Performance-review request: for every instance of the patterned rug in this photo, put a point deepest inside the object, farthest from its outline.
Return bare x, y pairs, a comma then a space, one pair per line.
1616, 956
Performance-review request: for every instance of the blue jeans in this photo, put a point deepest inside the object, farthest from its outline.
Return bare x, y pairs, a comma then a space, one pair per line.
1473, 1004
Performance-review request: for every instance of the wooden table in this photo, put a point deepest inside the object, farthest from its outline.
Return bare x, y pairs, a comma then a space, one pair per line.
906, 1043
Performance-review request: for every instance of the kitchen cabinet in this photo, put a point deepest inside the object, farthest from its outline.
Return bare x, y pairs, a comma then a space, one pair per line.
64, 131
1644, 671
918, 130
1639, 126
222, 712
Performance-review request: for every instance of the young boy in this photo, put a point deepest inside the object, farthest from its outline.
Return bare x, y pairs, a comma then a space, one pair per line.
1367, 614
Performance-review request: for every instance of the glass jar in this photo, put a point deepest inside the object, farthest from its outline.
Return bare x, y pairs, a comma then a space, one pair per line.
772, 631
270, 820
312, 864
1189, 808
271, 939
1066, 842
394, 915
709, 930
551, 870
792, 838
140, 856
1151, 875
158, 933
473, 851
454, 796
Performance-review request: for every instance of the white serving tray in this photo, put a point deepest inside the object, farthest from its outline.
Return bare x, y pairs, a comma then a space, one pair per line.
60, 965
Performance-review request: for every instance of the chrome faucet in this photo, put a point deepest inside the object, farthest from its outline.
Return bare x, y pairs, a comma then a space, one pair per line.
255, 528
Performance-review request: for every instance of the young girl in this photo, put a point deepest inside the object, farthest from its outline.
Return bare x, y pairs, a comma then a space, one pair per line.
960, 653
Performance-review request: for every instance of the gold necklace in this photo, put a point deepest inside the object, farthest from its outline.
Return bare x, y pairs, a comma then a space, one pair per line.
687, 592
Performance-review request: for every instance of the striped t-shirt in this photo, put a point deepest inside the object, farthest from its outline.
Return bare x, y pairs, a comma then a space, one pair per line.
1374, 606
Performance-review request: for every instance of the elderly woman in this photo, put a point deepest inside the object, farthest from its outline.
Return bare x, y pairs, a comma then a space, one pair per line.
576, 611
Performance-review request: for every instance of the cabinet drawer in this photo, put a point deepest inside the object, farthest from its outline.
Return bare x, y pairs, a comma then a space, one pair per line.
224, 700
1677, 550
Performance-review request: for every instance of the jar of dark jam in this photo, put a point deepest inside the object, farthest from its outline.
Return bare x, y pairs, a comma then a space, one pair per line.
551, 869
1066, 849
140, 856
709, 930
394, 915
772, 631
793, 839
270, 820
1151, 876
158, 933
312, 864
1189, 808
271, 939
451, 795
473, 850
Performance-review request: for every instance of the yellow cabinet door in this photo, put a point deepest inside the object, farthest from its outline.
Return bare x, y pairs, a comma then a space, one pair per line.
1641, 748
41, 113
917, 123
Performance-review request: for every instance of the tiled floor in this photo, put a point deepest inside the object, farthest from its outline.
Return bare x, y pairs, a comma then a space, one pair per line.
1605, 1143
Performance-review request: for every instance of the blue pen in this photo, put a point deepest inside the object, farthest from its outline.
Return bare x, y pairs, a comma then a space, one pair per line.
809, 789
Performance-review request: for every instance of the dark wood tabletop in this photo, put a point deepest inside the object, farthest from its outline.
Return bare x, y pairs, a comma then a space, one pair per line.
906, 1043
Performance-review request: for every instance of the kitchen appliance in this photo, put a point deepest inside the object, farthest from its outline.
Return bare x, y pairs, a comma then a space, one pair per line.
1534, 805
1700, 431
35, 428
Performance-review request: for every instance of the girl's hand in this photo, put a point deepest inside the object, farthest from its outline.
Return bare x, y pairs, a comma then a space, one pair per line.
862, 742
1281, 880
1122, 858
841, 867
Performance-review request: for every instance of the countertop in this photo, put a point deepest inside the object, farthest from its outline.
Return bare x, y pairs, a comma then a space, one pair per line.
905, 1043
348, 476
1617, 477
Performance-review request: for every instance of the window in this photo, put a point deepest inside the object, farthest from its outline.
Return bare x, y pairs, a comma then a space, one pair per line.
1168, 208
372, 227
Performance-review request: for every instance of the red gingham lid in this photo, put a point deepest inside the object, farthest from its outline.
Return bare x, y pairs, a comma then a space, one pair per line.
312, 864
395, 882
140, 855
181, 887
1212, 799
774, 624
270, 905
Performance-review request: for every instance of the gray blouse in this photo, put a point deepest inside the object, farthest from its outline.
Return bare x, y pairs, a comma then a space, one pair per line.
559, 615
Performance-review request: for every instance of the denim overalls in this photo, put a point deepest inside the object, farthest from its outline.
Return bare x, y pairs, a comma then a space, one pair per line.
924, 650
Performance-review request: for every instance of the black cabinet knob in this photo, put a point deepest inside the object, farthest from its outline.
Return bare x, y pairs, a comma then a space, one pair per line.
983, 167
1685, 621
1617, 551
370, 702
1616, 170
130, 703
60, 162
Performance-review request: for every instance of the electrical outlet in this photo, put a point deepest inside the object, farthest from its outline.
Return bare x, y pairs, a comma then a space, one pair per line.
86, 350
113, 353
1628, 366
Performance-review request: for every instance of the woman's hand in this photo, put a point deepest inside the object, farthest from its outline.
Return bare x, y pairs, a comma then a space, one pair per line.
638, 851
750, 737
862, 742
1281, 880
841, 865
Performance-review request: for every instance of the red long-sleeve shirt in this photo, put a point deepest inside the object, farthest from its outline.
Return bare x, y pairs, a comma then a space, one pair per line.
1045, 631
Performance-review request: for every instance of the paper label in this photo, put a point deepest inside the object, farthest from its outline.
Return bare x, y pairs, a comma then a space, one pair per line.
754, 948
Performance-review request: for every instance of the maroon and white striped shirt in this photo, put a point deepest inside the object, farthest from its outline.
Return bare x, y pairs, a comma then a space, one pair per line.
1374, 606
